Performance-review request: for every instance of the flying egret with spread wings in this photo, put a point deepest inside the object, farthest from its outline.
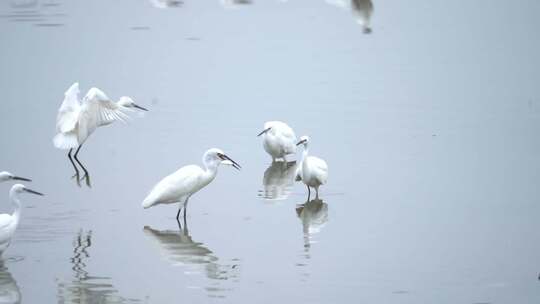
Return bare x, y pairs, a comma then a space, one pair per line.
78, 119
182, 184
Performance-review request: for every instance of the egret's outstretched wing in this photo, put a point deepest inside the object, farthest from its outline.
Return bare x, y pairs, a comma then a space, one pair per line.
101, 111
175, 186
68, 113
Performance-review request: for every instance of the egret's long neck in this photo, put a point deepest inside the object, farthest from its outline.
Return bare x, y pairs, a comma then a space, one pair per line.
211, 168
305, 153
17, 204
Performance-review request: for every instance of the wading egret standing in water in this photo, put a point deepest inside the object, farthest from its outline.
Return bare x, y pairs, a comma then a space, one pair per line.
9, 223
5, 176
77, 119
278, 139
312, 170
182, 184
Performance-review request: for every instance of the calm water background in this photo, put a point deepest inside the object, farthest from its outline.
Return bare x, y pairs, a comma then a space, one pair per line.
429, 126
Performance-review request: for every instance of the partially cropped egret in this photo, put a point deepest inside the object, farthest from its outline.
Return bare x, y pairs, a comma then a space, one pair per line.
77, 119
278, 139
5, 176
9, 222
312, 170
362, 9
182, 184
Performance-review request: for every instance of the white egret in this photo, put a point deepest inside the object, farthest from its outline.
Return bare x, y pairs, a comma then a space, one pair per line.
278, 139
363, 9
9, 223
77, 119
182, 184
312, 170
5, 176
166, 3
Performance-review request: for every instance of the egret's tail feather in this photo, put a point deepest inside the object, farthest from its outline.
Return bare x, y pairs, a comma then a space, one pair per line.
65, 141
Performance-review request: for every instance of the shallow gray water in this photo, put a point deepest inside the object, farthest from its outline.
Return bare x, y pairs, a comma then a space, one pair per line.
429, 125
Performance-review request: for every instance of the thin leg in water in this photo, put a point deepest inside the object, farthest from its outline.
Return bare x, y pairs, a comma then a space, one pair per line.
308, 192
316, 192
86, 175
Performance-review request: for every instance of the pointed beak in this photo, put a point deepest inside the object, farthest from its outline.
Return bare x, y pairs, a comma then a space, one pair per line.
139, 107
301, 142
264, 131
33, 192
227, 160
21, 178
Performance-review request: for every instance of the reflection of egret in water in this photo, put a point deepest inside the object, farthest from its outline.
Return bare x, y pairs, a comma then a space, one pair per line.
278, 180
362, 9
85, 288
314, 215
9, 291
38, 12
166, 3
178, 247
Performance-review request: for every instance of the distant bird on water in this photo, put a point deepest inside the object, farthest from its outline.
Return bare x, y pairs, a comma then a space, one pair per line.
312, 170
279, 140
9, 222
5, 176
77, 119
182, 184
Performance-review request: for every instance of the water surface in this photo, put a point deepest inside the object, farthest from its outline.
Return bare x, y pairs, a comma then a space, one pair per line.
429, 125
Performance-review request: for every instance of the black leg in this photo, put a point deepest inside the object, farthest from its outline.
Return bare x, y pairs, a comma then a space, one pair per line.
72, 163
86, 175
308, 192
77, 174
185, 211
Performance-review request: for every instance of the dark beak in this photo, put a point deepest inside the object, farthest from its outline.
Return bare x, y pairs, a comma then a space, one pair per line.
301, 142
139, 107
234, 164
33, 192
21, 178
265, 130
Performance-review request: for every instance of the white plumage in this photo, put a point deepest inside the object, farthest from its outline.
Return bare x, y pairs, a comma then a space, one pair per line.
279, 139
78, 119
9, 222
182, 184
312, 170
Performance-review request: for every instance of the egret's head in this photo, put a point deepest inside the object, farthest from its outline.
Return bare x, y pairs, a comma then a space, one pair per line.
217, 156
267, 127
304, 140
18, 188
96, 94
5, 176
127, 102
